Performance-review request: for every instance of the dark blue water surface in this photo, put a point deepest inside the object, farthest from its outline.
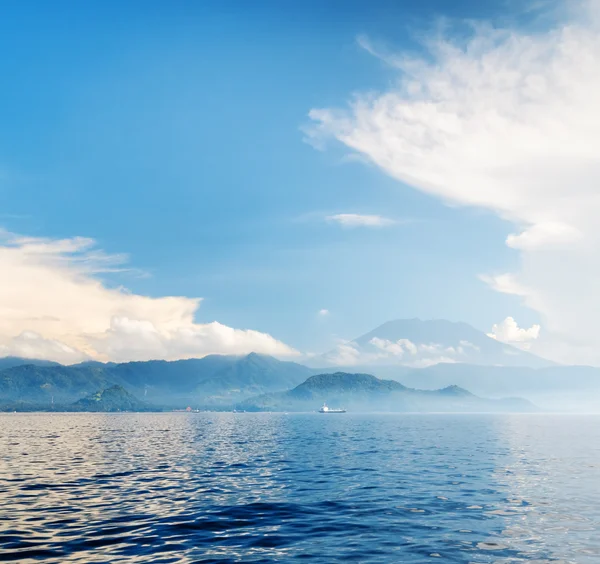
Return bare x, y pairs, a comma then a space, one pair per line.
209, 487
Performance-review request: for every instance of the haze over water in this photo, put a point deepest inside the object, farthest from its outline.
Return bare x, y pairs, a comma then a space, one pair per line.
223, 487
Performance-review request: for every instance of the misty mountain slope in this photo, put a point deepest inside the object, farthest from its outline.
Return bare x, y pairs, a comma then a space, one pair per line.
556, 387
254, 373
212, 380
179, 376
364, 392
44, 384
418, 343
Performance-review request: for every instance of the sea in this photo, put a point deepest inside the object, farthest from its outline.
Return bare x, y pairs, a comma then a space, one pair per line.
242, 487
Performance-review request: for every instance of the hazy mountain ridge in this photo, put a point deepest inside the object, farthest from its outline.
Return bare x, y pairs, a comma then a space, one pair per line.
364, 392
210, 380
12, 361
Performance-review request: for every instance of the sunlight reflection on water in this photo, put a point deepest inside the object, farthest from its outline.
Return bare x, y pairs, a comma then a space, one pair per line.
274, 487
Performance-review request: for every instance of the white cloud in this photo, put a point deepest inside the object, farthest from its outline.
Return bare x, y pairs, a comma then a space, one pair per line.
323, 313
31, 345
402, 351
430, 350
410, 347
506, 284
545, 235
510, 122
344, 354
395, 348
130, 338
54, 306
357, 220
509, 332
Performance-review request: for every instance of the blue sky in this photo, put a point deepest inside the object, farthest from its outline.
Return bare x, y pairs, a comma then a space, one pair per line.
174, 132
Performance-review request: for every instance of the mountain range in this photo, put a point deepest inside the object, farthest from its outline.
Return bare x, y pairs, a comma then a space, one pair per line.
220, 381
212, 380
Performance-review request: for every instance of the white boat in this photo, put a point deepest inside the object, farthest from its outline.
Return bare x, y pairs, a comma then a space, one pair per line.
326, 409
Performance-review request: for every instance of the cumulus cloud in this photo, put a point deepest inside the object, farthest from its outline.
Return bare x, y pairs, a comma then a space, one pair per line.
509, 332
395, 348
53, 305
32, 345
403, 352
507, 121
433, 353
357, 220
323, 313
140, 339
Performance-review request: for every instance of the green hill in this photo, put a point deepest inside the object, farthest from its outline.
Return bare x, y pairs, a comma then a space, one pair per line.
363, 392
115, 398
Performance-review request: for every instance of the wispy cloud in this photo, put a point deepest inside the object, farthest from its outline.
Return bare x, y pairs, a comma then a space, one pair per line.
359, 220
323, 313
507, 121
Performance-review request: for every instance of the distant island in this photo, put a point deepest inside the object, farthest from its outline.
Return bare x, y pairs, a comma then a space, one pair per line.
364, 392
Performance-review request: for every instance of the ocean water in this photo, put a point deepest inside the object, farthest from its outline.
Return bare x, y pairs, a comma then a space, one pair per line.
209, 487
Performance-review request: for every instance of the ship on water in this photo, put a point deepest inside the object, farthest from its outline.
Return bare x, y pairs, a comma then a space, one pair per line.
326, 409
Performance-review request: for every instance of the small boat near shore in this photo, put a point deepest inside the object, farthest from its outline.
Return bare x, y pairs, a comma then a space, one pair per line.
326, 409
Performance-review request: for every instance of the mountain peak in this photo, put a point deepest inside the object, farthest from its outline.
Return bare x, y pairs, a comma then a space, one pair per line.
257, 356
455, 390
344, 381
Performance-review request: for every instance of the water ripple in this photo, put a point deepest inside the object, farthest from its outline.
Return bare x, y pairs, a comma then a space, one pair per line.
186, 488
